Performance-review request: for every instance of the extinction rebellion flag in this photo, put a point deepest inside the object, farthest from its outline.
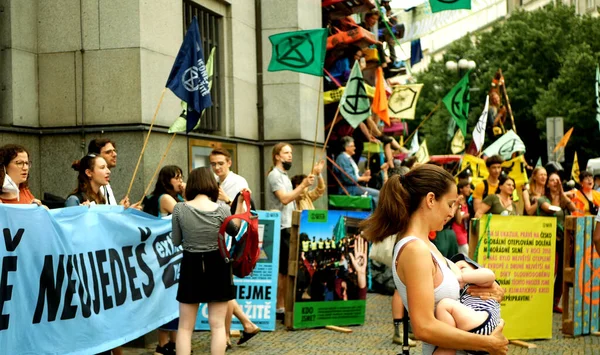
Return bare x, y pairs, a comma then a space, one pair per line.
299, 51
443, 5
355, 105
457, 102
189, 79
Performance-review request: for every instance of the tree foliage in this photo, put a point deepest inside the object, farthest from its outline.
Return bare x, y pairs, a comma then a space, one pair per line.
548, 58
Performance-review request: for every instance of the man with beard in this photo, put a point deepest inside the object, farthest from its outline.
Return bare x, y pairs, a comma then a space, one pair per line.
280, 196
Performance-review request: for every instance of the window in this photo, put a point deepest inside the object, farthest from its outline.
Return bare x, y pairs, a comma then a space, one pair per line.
209, 25
199, 151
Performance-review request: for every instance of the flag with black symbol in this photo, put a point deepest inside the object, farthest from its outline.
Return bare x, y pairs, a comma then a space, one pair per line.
355, 106
575, 169
180, 123
457, 102
299, 51
458, 142
422, 154
189, 79
479, 130
402, 103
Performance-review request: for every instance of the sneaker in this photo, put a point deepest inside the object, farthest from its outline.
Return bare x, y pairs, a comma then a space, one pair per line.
398, 340
167, 349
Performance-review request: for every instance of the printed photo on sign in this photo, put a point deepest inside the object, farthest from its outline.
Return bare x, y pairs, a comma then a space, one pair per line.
331, 284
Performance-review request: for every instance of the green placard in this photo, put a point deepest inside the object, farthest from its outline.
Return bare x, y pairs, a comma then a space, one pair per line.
320, 314
317, 216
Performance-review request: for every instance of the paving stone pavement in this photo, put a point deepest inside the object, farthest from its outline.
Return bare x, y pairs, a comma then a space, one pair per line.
374, 337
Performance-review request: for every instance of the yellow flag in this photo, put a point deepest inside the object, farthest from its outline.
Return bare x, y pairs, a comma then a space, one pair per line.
332, 96
563, 141
575, 169
458, 142
422, 154
514, 167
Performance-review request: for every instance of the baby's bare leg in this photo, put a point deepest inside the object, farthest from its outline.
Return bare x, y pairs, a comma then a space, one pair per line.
458, 315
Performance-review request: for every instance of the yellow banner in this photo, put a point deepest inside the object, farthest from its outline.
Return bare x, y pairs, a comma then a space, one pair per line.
520, 251
332, 96
515, 168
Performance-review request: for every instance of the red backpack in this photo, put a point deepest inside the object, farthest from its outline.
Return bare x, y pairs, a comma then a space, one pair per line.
245, 250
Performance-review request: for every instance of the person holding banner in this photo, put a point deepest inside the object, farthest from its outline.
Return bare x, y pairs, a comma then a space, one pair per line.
555, 203
411, 206
14, 175
204, 276
93, 173
501, 202
107, 149
161, 202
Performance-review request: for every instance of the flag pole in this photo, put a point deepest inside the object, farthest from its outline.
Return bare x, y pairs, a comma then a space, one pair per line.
421, 124
157, 168
162, 95
317, 125
337, 112
512, 118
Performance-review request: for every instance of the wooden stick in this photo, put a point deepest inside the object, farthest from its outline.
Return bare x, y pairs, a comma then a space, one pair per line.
337, 112
317, 125
162, 95
421, 124
512, 118
338, 181
523, 344
157, 168
338, 329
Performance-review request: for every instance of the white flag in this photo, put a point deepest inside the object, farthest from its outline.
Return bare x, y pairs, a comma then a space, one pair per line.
414, 144
479, 130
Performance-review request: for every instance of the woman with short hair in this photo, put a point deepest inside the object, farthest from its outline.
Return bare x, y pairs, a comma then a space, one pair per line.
204, 276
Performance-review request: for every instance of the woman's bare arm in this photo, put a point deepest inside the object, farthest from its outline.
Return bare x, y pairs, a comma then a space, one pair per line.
416, 270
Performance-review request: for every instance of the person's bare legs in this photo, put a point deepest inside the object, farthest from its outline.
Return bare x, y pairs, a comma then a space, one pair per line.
238, 312
397, 306
187, 322
458, 315
281, 288
389, 156
217, 311
398, 314
163, 337
228, 319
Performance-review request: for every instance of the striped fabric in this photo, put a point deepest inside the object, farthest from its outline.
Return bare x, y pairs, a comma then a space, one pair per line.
477, 304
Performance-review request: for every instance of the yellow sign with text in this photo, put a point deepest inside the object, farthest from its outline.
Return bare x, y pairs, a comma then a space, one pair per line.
515, 168
521, 251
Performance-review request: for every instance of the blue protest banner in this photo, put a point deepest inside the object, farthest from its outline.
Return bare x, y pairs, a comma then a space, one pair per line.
83, 280
257, 293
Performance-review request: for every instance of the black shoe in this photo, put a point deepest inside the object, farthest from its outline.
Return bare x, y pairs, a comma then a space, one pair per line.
167, 349
245, 336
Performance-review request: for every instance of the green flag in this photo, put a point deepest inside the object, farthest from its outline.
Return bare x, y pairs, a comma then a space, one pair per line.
539, 162
354, 104
457, 102
299, 51
339, 231
180, 123
443, 5
597, 94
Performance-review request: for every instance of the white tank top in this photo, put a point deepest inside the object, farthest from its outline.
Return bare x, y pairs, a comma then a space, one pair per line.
449, 288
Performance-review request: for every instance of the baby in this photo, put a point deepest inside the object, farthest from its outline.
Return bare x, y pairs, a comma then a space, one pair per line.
471, 314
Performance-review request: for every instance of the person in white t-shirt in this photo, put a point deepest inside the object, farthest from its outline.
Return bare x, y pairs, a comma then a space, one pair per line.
230, 184
107, 149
